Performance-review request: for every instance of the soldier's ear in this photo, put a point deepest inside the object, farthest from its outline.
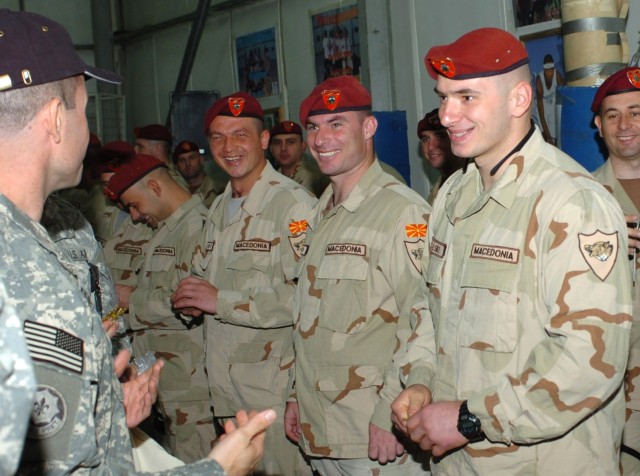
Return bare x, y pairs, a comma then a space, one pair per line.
155, 188
598, 122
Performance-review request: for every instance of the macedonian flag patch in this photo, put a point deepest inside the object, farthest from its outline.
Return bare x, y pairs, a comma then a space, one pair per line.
600, 251
416, 230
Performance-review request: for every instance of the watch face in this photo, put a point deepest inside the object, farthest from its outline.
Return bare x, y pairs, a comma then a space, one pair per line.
469, 425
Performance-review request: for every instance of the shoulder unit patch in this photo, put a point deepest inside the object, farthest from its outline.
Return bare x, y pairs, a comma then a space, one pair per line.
600, 251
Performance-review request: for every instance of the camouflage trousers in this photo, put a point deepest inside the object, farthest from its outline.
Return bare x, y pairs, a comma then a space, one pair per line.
189, 432
405, 465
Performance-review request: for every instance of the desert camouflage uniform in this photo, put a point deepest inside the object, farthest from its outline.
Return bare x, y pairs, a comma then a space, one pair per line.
358, 286
530, 297
631, 435
183, 392
124, 252
251, 260
310, 177
435, 188
71, 232
101, 213
17, 386
209, 189
78, 422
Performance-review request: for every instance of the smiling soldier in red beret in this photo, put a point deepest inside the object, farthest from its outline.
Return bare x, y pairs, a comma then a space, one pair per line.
617, 108
359, 288
528, 287
244, 267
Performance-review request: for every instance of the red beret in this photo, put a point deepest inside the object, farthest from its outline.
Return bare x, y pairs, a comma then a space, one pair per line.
128, 172
153, 132
624, 81
185, 146
477, 54
341, 94
239, 104
285, 127
430, 122
117, 149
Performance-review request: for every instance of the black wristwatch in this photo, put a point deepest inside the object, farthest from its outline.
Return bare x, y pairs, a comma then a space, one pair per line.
469, 425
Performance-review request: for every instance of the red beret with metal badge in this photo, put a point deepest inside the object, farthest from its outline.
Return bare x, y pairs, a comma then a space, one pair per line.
477, 54
286, 127
239, 104
128, 172
341, 94
626, 80
185, 146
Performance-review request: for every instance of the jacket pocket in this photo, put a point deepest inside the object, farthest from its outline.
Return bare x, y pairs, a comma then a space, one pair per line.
489, 308
343, 280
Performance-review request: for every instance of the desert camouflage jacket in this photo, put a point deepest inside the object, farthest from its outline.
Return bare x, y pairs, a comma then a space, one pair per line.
359, 294
530, 296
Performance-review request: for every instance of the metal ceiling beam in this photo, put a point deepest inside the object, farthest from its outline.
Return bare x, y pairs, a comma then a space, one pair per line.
120, 37
197, 27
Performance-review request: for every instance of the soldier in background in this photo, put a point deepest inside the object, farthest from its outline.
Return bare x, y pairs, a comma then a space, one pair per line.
359, 288
103, 215
190, 163
143, 186
287, 148
245, 265
617, 109
155, 140
436, 150
528, 287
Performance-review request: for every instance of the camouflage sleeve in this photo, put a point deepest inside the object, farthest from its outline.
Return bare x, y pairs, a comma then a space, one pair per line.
17, 387
401, 264
269, 307
587, 306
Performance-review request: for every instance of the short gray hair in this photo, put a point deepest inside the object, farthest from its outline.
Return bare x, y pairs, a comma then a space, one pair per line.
19, 106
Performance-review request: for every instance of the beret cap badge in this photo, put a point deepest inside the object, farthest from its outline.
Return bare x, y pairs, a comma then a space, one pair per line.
634, 77
331, 98
444, 66
236, 105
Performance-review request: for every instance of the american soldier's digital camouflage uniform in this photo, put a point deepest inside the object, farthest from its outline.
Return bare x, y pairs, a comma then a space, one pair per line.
183, 392
359, 292
530, 296
251, 259
631, 435
71, 232
78, 422
17, 386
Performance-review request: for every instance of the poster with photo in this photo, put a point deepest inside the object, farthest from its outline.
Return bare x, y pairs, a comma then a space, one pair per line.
532, 12
546, 61
336, 42
256, 56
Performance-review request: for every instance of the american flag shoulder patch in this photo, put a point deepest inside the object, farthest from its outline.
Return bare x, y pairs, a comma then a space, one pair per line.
54, 346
